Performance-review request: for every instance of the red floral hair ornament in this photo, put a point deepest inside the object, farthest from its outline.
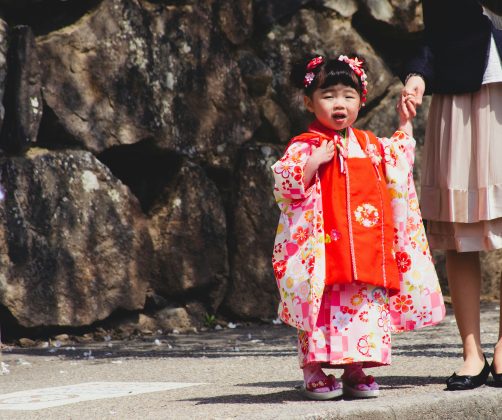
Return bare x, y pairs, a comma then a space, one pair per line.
357, 67
311, 65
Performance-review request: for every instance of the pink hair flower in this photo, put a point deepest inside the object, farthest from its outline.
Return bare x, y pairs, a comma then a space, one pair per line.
309, 77
357, 67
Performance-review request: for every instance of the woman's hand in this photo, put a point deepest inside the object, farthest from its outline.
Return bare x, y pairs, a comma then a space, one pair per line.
411, 97
414, 88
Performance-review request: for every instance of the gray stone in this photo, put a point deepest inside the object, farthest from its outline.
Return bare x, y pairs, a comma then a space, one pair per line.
405, 14
253, 291
189, 234
74, 246
269, 12
146, 324
346, 8
170, 319
236, 19
26, 342
256, 74
126, 72
277, 118
380, 9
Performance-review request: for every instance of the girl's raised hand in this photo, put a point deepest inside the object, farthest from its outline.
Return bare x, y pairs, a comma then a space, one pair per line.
407, 108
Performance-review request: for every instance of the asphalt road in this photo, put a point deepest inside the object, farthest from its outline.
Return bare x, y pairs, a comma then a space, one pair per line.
248, 372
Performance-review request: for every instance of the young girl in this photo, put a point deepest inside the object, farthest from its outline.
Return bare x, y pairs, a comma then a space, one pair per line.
351, 259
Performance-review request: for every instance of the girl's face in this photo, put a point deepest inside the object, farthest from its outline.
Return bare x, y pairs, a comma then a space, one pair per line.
335, 107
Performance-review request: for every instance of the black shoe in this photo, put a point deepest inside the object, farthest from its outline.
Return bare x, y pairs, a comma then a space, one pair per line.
462, 382
497, 377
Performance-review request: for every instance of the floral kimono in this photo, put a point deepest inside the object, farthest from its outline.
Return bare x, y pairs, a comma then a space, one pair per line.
350, 321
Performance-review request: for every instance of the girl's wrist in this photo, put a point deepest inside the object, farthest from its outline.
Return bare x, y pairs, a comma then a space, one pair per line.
406, 126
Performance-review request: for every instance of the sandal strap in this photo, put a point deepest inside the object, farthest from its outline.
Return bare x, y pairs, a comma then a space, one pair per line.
369, 379
328, 382
357, 376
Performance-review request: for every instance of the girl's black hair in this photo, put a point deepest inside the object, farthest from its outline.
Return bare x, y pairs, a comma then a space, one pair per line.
331, 72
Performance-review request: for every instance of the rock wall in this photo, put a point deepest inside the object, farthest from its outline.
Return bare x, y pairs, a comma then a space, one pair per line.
137, 138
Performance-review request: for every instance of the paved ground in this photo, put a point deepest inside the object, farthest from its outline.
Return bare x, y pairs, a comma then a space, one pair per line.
243, 373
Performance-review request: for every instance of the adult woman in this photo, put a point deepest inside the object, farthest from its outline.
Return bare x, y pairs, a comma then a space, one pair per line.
462, 176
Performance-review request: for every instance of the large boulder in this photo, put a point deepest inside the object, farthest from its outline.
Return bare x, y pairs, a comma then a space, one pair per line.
189, 233
253, 292
128, 71
74, 246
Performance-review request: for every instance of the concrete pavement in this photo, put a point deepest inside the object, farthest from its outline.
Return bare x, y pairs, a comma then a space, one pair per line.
249, 372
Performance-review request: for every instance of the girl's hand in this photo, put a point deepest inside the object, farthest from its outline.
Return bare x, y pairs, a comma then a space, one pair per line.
407, 108
322, 154
411, 97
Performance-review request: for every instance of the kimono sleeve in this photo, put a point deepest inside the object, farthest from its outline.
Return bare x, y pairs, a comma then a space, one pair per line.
419, 284
398, 153
289, 174
398, 157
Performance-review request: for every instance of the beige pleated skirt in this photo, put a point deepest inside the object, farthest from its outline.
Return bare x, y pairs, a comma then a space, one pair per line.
461, 188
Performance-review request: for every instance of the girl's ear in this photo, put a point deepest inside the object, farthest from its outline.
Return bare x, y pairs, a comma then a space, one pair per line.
307, 101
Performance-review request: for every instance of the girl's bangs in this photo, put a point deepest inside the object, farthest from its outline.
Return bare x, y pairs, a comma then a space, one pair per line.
339, 77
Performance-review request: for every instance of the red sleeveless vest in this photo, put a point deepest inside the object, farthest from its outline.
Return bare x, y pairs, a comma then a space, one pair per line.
357, 213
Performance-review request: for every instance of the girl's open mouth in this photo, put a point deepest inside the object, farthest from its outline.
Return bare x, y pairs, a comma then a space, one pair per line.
339, 116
